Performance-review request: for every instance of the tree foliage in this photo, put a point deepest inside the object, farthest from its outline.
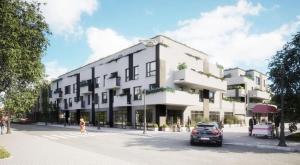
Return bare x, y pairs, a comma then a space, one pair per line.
285, 67
23, 40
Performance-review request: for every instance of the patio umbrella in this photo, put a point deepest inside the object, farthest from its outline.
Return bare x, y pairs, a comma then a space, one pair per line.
264, 108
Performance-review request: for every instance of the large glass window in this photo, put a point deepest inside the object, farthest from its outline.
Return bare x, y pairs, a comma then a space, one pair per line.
120, 117
151, 69
137, 92
214, 116
104, 97
101, 117
196, 116
96, 98
68, 89
136, 72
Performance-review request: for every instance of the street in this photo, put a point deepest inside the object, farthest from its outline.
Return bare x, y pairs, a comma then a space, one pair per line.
126, 148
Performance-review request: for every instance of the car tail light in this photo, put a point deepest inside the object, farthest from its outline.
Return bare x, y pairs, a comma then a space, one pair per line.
215, 132
194, 132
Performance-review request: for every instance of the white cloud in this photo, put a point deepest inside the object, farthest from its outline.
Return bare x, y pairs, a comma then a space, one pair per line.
104, 42
64, 16
225, 34
53, 70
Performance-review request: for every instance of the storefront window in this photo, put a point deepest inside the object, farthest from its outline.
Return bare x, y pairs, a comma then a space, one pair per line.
120, 117
101, 117
196, 116
214, 116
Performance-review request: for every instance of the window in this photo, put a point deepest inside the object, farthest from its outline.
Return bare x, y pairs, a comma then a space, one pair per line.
211, 97
257, 79
201, 95
214, 116
89, 99
137, 92
70, 102
151, 69
97, 82
196, 116
74, 88
68, 89
126, 74
104, 77
136, 72
153, 86
96, 98
75, 99
104, 97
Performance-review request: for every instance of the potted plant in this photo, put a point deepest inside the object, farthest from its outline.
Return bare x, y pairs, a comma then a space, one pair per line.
181, 66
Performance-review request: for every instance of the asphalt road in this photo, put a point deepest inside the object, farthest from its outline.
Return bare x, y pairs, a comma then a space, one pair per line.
169, 149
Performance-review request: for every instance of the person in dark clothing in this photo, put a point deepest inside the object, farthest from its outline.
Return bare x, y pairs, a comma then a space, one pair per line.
252, 122
277, 122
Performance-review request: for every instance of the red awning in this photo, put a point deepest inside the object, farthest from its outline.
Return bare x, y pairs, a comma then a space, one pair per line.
264, 108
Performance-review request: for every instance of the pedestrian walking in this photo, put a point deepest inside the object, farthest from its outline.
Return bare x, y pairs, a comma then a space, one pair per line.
2, 121
252, 122
82, 126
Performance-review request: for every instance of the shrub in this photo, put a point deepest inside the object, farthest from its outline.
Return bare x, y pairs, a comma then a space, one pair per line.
155, 125
3, 153
181, 66
164, 126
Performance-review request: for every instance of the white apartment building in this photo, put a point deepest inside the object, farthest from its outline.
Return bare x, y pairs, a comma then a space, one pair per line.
181, 84
247, 86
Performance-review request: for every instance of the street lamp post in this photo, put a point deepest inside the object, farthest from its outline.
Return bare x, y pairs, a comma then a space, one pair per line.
282, 135
145, 122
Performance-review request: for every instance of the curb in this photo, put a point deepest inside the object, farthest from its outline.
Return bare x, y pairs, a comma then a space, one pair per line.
286, 149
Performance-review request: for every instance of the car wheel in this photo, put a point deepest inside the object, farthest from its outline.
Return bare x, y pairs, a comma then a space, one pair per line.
219, 144
192, 142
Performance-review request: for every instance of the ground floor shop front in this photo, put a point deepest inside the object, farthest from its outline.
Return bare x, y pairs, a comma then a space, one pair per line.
133, 116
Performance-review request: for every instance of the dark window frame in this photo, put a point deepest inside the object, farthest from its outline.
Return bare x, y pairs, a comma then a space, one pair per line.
89, 99
70, 102
137, 96
211, 97
135, 75
126, 74
150, 71
104, 99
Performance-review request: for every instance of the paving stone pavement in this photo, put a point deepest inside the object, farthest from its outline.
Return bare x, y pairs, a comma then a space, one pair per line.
42, 152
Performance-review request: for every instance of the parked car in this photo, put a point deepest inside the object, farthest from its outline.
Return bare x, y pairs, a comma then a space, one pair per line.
207, 133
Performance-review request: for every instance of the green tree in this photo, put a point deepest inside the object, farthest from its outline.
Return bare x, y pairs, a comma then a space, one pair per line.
285, 66
23, 41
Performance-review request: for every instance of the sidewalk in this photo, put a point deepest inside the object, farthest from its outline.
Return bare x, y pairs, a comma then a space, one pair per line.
33, 150
232, 136
239, 136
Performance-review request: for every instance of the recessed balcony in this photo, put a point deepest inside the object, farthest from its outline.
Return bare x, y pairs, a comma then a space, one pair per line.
236, 93
259, 94
192, 78
113, 83
122, 101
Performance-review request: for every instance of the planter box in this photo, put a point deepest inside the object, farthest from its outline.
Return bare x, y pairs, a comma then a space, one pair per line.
153, 129
165, 129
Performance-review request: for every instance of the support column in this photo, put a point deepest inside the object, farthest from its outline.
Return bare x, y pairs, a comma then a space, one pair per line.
161, 110
111, 108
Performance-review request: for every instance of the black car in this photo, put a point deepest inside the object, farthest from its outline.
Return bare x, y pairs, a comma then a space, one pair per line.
207, 133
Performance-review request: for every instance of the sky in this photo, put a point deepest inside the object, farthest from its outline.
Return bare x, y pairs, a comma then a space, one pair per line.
235, 33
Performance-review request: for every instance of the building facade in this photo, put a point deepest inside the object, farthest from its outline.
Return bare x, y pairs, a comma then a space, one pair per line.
179, 81
247, 86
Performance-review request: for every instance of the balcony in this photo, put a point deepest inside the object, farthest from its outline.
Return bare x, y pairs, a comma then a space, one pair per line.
122, 101
175, 97
259, 94
113, 83
192, 78
235, 107
236, 93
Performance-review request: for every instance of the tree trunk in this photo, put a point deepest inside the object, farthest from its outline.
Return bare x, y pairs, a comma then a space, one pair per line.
8, 130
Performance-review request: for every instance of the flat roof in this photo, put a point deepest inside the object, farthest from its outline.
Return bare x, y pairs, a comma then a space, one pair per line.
124, 50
